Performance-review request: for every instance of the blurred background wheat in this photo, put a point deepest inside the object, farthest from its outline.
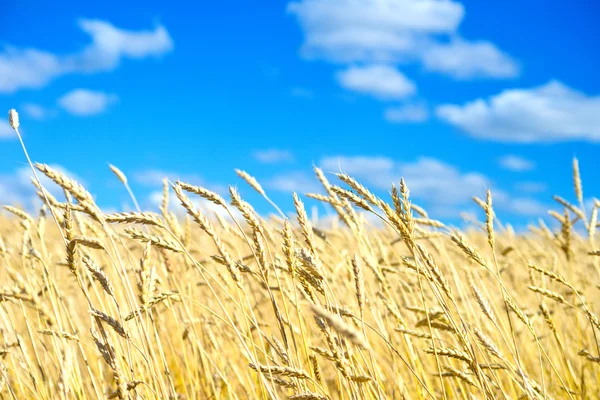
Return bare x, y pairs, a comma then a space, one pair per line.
381, 302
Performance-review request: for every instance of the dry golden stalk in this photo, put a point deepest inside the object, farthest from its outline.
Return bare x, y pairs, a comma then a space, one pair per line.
289, 249
341, 327
84, 198
59, 334
517, 310
99, 276
489, 219
3, 374
323, 352
284, 383
283, 371
323, 198
410, 332
548, 293
419, 210
360, 378
488, 344
119, 392
551, 274
116, 325
164, 206
281, 351
484, 304
574, 209
359, 188
90, 242
308, 396
20, 213
577, 182
548, 319
315, 368
352, 197
455, 373
429, 222
310, 264
593, 221
144, 218
305, 225
154, 240
588, 356
468, 250
69, 235
159, 298
359, 285
449, 352
119, 174
251, 181
204, 193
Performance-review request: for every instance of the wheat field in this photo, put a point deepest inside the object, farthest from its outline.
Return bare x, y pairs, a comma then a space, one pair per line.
186, 304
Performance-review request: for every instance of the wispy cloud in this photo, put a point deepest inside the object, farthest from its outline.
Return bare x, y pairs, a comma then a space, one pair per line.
295, 181
35, 111
273, 156
553, 112
408, 113
33, 68
516, 163
380, 81
466, 60
84, 102
398, 31
531, 187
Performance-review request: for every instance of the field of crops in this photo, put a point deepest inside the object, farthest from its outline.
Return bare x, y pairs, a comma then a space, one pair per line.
237, 305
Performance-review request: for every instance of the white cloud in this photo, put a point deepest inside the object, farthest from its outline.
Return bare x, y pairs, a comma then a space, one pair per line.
516, 163
35, 111
6, 132
110, 44
442, 188
33, 68
296, 181
519, 205
407, 113
84, 102
465, 60
527, 206
380, 81
372, 30
531, 187
397, 31
273, 156
549, 113
27, 68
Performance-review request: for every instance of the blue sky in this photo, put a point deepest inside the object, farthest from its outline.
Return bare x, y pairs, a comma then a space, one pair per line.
454, 96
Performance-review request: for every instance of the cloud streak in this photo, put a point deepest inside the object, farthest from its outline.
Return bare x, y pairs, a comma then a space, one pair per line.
549, 113
84, 102
34, 68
